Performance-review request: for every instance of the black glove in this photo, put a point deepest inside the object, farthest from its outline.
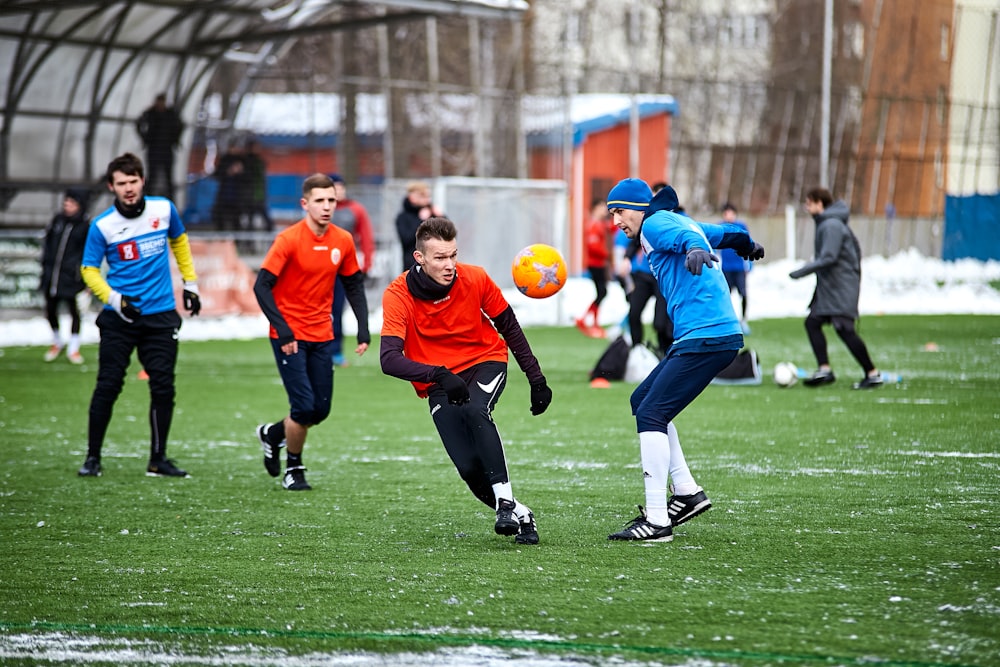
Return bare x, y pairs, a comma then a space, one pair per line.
755, 253
454, 386
124, 306
192, 302
541, 396
696, 258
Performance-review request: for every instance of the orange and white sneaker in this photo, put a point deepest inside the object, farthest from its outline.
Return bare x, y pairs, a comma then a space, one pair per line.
53, 353
75, 358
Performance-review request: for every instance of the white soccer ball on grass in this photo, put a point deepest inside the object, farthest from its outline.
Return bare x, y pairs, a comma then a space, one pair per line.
786, 374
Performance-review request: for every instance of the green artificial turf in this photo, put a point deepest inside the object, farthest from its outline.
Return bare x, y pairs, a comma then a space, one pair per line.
847, 527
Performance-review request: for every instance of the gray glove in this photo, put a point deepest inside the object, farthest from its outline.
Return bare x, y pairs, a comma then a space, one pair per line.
697, 258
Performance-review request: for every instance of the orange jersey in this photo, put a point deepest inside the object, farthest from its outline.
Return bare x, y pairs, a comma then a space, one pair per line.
306, 267
455, 331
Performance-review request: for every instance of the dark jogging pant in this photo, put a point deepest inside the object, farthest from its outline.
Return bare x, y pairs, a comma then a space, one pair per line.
468, 432
154, 337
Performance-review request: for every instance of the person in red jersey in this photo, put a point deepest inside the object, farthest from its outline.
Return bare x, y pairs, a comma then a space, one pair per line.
446, 329
295, 290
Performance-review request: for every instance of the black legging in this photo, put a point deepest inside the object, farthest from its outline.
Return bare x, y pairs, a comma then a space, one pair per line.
646, 288
599, 274
52, 312
844, 326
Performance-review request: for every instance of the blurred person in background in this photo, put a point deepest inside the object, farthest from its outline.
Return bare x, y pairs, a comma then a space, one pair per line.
62, 252
734, 267
417, 207
597, 259
160, 127
352, 217
837, 265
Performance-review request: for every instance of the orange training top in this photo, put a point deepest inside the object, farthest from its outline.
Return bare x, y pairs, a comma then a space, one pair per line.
456, 331
306, 267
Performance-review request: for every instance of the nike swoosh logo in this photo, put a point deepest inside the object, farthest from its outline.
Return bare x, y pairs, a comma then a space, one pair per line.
488, 388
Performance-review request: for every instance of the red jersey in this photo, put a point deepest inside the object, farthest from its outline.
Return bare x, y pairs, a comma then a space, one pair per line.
306, 267
595, 242
456, 331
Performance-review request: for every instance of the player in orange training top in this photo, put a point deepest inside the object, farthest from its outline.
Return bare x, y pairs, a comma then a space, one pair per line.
442, 328
295, 290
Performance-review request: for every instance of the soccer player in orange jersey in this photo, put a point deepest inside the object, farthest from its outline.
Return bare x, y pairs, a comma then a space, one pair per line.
295, 290
442, 328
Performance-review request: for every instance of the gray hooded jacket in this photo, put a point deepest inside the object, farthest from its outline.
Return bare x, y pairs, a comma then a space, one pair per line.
836, 263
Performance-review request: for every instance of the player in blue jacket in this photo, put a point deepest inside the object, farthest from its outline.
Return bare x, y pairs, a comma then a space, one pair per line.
707, 337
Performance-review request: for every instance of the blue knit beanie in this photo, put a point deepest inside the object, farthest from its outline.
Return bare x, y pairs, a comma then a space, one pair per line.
630, 193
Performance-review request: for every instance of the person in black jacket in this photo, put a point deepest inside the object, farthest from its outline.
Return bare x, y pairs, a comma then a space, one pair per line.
837, 265
62, 252
417, 207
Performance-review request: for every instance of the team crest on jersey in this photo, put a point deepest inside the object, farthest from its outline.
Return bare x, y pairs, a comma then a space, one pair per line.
155, 223
335, 256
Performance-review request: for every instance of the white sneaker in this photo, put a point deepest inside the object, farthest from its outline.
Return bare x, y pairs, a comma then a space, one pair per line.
53, 353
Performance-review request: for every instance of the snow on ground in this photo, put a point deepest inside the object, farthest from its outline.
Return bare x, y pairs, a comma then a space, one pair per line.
905, 284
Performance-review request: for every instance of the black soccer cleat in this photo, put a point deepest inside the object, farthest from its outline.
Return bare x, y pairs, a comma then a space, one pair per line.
869, 382
272, 453
527, 531
640, 528
685, 508
90, 468
164, 468
295, 479
820, 377
507, 523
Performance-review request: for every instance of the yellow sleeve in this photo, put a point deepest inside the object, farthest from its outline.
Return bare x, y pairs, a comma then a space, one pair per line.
181, 248
96, 282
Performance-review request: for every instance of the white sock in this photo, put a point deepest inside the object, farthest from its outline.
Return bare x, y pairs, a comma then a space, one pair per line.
521, 511
74, 343
654, 448
57, 340
502, 491
680, 474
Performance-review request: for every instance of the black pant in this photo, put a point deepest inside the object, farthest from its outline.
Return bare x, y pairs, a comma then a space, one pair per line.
155, 339
468, 432
844, 326
52, 312
646, 288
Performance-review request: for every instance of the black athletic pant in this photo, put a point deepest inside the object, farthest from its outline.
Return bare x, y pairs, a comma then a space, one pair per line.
52, 312
468, 433
844, 326
155, 339
645, 289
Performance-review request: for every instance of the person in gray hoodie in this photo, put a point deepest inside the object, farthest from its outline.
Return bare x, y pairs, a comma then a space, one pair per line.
837, 265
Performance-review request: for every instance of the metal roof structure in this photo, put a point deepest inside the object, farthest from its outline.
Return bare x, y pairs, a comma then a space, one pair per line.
76, 74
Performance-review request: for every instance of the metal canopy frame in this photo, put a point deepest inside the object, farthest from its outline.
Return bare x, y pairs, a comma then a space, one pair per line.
75, 74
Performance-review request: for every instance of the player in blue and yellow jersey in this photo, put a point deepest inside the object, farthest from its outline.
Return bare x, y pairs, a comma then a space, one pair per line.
135, 236
707, 337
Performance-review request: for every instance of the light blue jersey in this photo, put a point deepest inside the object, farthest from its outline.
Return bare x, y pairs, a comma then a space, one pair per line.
699, 306
138, 252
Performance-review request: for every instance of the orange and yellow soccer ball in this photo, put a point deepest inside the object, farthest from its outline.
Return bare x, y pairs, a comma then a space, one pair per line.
539, 271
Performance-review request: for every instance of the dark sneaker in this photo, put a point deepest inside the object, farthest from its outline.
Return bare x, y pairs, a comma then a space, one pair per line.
527, 531
164, 468
819, 377
685, 508
90, 468
295, 479
869, 382
641, 529
507, 523
272, 453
